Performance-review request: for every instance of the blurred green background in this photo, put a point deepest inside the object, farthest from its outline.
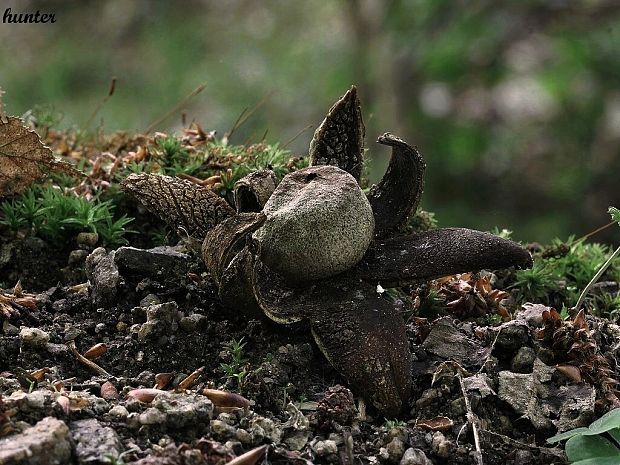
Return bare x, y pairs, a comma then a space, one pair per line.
514, 104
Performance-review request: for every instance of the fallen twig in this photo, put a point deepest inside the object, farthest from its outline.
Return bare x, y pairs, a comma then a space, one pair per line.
89, 363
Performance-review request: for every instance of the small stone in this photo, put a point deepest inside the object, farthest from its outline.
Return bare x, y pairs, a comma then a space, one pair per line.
191, 323
325, 448
163, 262
36, 400
87, 240
523, 361
8, 329
243, 436
148, 330
118, 413
100, 328
77, 257
33, 337
167, 312
185, 410
441, 446
395, 450
261, 428
72, 332
103, 274
47, 442
415, 456
94, 442
222, 429
152, 416
511, 338
150, 299
121, 326
56, 349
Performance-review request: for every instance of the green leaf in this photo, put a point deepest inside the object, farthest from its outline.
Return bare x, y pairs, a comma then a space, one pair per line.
567, 434
615, 214
598, 461
607, 422
615, 434
590, 447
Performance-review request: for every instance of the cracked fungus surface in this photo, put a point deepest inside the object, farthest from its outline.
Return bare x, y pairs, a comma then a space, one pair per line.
319, 223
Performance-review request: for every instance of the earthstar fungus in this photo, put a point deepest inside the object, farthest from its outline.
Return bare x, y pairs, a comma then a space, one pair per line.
315, 247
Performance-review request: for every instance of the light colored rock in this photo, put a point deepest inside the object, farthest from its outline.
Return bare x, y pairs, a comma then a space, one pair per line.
118, 412
395, 449
46, 443
103, 274
33, 337
152, 416
415, 456
319, 223
323, 448
93, 441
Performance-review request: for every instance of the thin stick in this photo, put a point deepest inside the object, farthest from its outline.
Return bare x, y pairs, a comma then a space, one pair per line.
102, 102
264, 136
234, 126
245, 114
176, 107
2, 118
472, 421
292, 139
596, 277
89, 363
592, 233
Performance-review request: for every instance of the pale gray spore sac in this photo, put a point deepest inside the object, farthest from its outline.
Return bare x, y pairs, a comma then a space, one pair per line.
319, 223
180, 203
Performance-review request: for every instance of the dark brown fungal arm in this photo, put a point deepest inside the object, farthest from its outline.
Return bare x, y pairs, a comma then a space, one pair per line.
360, 333
227, 239
236, 287
180, 203
398, 194
339, 140
439, 252
253, 191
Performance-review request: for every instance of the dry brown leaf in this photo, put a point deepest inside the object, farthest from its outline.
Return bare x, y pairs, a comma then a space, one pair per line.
145, 395
96, 351
24, 158
436, 424
226, 399
163, 379
190, 380
249, 458
570, 371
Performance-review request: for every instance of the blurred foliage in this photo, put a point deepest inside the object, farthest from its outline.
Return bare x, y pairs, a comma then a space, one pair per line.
515, 105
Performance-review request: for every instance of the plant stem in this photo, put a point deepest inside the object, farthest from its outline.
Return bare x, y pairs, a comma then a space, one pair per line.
596, 278
592, 233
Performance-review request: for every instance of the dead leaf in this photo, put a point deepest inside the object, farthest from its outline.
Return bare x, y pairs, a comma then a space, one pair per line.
24, 158
96, 351
571, 372
190, 380
436, 424
249, 458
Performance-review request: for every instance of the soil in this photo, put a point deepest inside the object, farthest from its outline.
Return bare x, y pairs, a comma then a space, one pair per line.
172, 322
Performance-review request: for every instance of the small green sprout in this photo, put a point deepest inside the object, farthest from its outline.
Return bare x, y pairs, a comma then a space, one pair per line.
235, 369
391, 424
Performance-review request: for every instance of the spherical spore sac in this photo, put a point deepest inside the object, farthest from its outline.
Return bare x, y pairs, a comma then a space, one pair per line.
319, 223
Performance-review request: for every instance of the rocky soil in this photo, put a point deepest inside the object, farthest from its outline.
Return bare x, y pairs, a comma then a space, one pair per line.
151, 319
